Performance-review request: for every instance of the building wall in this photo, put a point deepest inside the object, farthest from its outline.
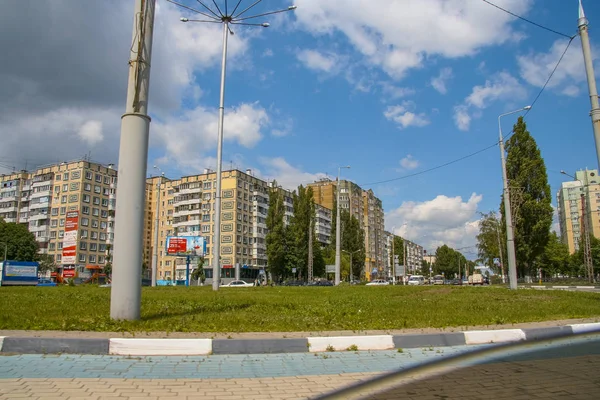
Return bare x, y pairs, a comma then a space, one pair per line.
570, 208
44, 196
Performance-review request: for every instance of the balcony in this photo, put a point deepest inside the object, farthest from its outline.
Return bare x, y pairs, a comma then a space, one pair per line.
190, 190
182, 213
38, 217
12, 209
192, 222
10, 219
187, 202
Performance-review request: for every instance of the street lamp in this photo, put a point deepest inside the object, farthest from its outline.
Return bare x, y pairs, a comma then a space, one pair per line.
510, 238
155, 252
226, 18
338, 232
351, 253
589, 264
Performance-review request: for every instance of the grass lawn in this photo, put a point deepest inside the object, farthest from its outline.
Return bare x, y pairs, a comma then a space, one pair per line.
288, 309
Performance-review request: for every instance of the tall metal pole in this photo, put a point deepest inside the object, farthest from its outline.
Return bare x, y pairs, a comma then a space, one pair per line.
510, 239
156, 222
217, 237
500, 251
338, 232
591, 78
133, 155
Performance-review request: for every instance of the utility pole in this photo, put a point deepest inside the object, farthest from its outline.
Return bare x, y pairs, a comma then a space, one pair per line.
393, 258
591, 78
310, 250
587, 251
125, 300
404, 256
500, 251
156, 223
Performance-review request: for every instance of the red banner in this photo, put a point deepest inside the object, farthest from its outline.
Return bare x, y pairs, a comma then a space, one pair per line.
69, 253
177, 246
68, 272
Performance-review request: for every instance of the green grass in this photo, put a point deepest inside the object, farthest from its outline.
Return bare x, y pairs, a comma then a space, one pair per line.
287, 309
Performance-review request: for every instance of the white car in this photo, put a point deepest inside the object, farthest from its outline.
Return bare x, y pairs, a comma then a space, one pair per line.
239, 284
378, 282
416, 280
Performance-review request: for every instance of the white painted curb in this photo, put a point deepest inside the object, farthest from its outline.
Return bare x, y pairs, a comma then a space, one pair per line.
582, 328
160, 347
340, 343
1, 341
499, 336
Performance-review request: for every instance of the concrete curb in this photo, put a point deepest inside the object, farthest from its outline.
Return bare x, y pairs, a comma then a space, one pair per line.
558, 287
203, 347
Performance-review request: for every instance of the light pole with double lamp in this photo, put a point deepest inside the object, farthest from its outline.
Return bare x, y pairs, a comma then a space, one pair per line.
224, 16
510, 237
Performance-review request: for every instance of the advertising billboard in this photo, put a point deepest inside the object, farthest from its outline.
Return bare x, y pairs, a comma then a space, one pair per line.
186, 245
18, 273
69, 252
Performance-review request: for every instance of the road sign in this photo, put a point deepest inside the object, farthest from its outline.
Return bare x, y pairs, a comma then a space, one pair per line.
330, 269
293, 270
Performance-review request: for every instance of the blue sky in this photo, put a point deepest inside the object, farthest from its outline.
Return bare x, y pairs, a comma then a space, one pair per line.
391, 90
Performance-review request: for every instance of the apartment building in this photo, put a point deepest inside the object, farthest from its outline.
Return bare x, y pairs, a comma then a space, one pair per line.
570, 210
413, 256
69, 207
187, 209
367, 209
323, 220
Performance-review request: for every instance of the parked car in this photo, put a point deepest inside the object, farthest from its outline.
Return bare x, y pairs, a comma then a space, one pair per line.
294, 283
378, 282
320, 283
45, 282
457, 282
438, 280
416, 280
238, 284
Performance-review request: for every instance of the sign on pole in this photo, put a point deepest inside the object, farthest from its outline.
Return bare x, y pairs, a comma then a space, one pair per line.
69, 252
186, 246
330, 269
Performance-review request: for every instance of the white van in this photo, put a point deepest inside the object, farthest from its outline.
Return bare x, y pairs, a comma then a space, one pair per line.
416, 280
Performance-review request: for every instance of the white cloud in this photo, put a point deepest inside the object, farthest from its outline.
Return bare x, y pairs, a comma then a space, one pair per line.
186, 139
393, 92
91, 132
268, 53
439, 82
319, 61
391, 34
409, 162
404, 117
502, 87
432, 223
567, 79
286, 175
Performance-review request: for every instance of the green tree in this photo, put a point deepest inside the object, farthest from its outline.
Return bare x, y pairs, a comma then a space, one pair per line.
532, 213
555, 259
276, 236
108, 265
353, 241
198, 273
47, 264
447, 262
300, 225
20, 244
318, 258
487, 239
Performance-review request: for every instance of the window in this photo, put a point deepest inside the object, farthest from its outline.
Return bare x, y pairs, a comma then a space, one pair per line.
205, 228
98, 178
82, 245
57, 189
94, 235
54, 223
106, 180
85, 221
85, 198
84, 233
92, 258
97, 189
57, 177
95, 212
102, 236
105, 202
87, 187
94, 223
85, 210
63, 210
88, 175
100, 259
102, 225
53, 235
93, 246
97, 200
52, 246
66, 176
59, 246
63, 199
104, 214
105, 191
62, 222
55, 212
61, 234
73, 198
58, 257
102, 247
206, 185
82, 258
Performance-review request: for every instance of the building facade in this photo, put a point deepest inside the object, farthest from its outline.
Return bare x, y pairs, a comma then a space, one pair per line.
414, 257
69, 207
323, 219
570, 208
367, 209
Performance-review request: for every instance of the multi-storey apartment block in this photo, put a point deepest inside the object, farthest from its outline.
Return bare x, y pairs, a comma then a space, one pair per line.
367, 209
323, 219
414, 257
69, 207
570, 210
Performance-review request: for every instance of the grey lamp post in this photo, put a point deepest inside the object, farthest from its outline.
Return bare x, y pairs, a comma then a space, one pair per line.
226, 18
510, 238
338, 231
156, 222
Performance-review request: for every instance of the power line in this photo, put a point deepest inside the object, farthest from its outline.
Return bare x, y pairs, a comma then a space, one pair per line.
526, 20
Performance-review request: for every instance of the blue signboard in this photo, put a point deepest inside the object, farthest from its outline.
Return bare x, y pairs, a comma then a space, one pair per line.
19, 273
